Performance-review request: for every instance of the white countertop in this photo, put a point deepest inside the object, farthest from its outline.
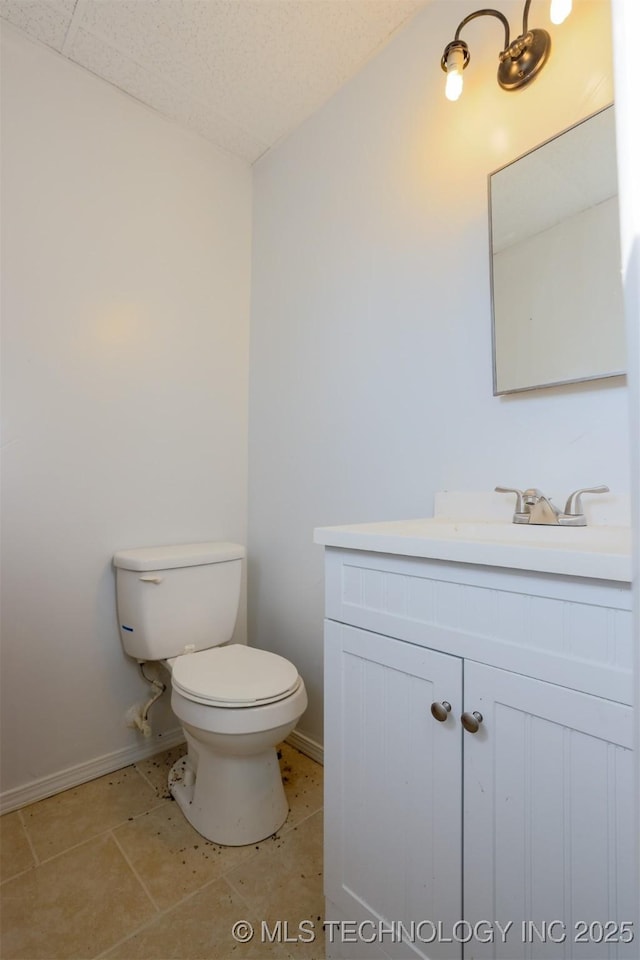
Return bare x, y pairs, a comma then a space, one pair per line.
602, 552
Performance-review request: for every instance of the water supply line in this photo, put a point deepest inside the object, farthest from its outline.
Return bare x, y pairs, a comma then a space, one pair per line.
138, 715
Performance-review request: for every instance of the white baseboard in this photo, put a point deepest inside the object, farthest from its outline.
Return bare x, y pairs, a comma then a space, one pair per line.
82, 772
73, 776
306, 745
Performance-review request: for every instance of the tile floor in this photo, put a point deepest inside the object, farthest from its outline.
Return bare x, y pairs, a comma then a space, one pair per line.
111, 869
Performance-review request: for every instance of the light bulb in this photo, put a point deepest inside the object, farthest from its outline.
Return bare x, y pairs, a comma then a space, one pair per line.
560, 10
455, 66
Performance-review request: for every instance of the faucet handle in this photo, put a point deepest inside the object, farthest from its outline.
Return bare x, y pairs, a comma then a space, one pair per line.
573, 506
519, 497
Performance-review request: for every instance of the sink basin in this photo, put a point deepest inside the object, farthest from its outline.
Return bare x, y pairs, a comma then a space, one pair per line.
601, 552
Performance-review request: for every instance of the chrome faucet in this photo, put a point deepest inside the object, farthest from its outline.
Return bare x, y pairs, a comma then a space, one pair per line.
533, 507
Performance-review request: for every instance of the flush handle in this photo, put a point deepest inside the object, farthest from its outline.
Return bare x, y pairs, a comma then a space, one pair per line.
471, 721
440, 711
151, 579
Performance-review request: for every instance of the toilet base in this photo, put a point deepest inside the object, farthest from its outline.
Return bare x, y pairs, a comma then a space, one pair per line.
230, 800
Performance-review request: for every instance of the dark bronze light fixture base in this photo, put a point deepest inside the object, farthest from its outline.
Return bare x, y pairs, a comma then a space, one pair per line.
523, 59
520, 60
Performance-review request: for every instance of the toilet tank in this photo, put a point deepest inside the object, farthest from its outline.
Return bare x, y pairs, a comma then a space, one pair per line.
176, 599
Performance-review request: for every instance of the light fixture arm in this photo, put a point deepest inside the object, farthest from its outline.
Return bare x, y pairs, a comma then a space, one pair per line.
487, 13
520, 60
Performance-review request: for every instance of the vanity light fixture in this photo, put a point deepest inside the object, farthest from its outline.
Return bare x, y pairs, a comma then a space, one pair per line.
520, 60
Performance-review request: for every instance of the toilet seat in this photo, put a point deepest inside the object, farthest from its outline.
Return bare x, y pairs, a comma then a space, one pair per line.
234, 676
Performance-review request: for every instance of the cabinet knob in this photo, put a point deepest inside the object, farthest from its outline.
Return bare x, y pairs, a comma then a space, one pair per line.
440, 711
471, 721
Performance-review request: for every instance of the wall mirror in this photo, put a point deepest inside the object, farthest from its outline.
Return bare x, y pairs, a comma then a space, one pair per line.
556, 285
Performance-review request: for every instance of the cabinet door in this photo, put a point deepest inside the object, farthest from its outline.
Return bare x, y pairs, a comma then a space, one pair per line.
392, 789
548, 827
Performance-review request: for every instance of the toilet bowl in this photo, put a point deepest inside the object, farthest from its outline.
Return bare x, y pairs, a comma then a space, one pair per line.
229, 785
177, 605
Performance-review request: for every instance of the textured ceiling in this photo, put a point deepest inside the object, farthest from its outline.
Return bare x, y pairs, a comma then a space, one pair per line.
242, 73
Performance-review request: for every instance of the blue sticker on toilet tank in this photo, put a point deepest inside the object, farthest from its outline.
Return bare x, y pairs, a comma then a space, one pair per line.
130, 629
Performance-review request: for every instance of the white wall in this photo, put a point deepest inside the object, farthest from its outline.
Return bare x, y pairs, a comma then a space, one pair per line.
126, 279
371, 382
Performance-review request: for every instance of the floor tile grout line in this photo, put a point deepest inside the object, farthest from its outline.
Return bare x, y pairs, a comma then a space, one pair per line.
94, 836
29, 840
297, 823
129, 936
146, 779
143, 927
21, 873
253, 911
250, 908
167, 910
134, 871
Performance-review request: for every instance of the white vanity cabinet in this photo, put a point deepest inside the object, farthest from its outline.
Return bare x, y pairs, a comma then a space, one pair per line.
393, 782
514, 841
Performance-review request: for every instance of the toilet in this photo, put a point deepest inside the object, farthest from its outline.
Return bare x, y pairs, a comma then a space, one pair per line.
178, 605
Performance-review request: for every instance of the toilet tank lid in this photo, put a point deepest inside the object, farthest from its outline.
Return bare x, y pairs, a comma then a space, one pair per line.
178, 555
